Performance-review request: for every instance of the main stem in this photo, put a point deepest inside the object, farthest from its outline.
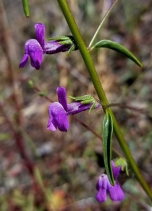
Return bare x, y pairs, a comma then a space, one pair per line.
100, 92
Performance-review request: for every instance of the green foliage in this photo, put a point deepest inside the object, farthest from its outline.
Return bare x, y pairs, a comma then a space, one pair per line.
26, 8
123, 163
117, 47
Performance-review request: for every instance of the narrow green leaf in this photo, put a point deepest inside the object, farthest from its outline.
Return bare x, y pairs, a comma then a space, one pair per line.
92, 107
107, 130
26, 8
87, 101
81, 98
71, 49
117, 47
65, 42
59, 38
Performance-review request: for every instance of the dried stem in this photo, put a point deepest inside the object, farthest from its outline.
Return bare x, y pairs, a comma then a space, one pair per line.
19, 143
6, 42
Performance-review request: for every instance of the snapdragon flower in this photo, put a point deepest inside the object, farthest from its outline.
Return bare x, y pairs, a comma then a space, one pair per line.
59, 111
35, 48
103, 187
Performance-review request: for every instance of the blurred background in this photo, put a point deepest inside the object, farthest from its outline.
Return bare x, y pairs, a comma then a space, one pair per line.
67, 165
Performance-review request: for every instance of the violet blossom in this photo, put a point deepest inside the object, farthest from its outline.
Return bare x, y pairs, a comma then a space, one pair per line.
35, 48
103, 187
59, 111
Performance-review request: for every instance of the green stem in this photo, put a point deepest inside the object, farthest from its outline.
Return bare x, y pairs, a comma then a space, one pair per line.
83, 50
102, 22
100, 92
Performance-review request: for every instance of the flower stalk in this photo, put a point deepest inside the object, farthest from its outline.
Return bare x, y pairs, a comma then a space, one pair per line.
100, 92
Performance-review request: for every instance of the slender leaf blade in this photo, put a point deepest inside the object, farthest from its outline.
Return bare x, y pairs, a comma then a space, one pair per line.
107, 131
81, 98
26, 8
117, 47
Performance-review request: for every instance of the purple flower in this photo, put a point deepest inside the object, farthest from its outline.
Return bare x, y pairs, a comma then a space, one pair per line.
103, 187
35, 48
59, 111
53, 47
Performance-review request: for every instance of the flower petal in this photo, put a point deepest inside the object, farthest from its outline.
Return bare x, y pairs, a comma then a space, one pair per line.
76, 107
23, 61
50, 125
115, 170
36, 59
53, 47
61, 92
58, 117
102, 182
34, 50
40, 32
115, 192
101, 195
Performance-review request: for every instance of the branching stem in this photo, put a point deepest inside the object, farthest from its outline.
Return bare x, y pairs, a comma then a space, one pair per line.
100, 92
